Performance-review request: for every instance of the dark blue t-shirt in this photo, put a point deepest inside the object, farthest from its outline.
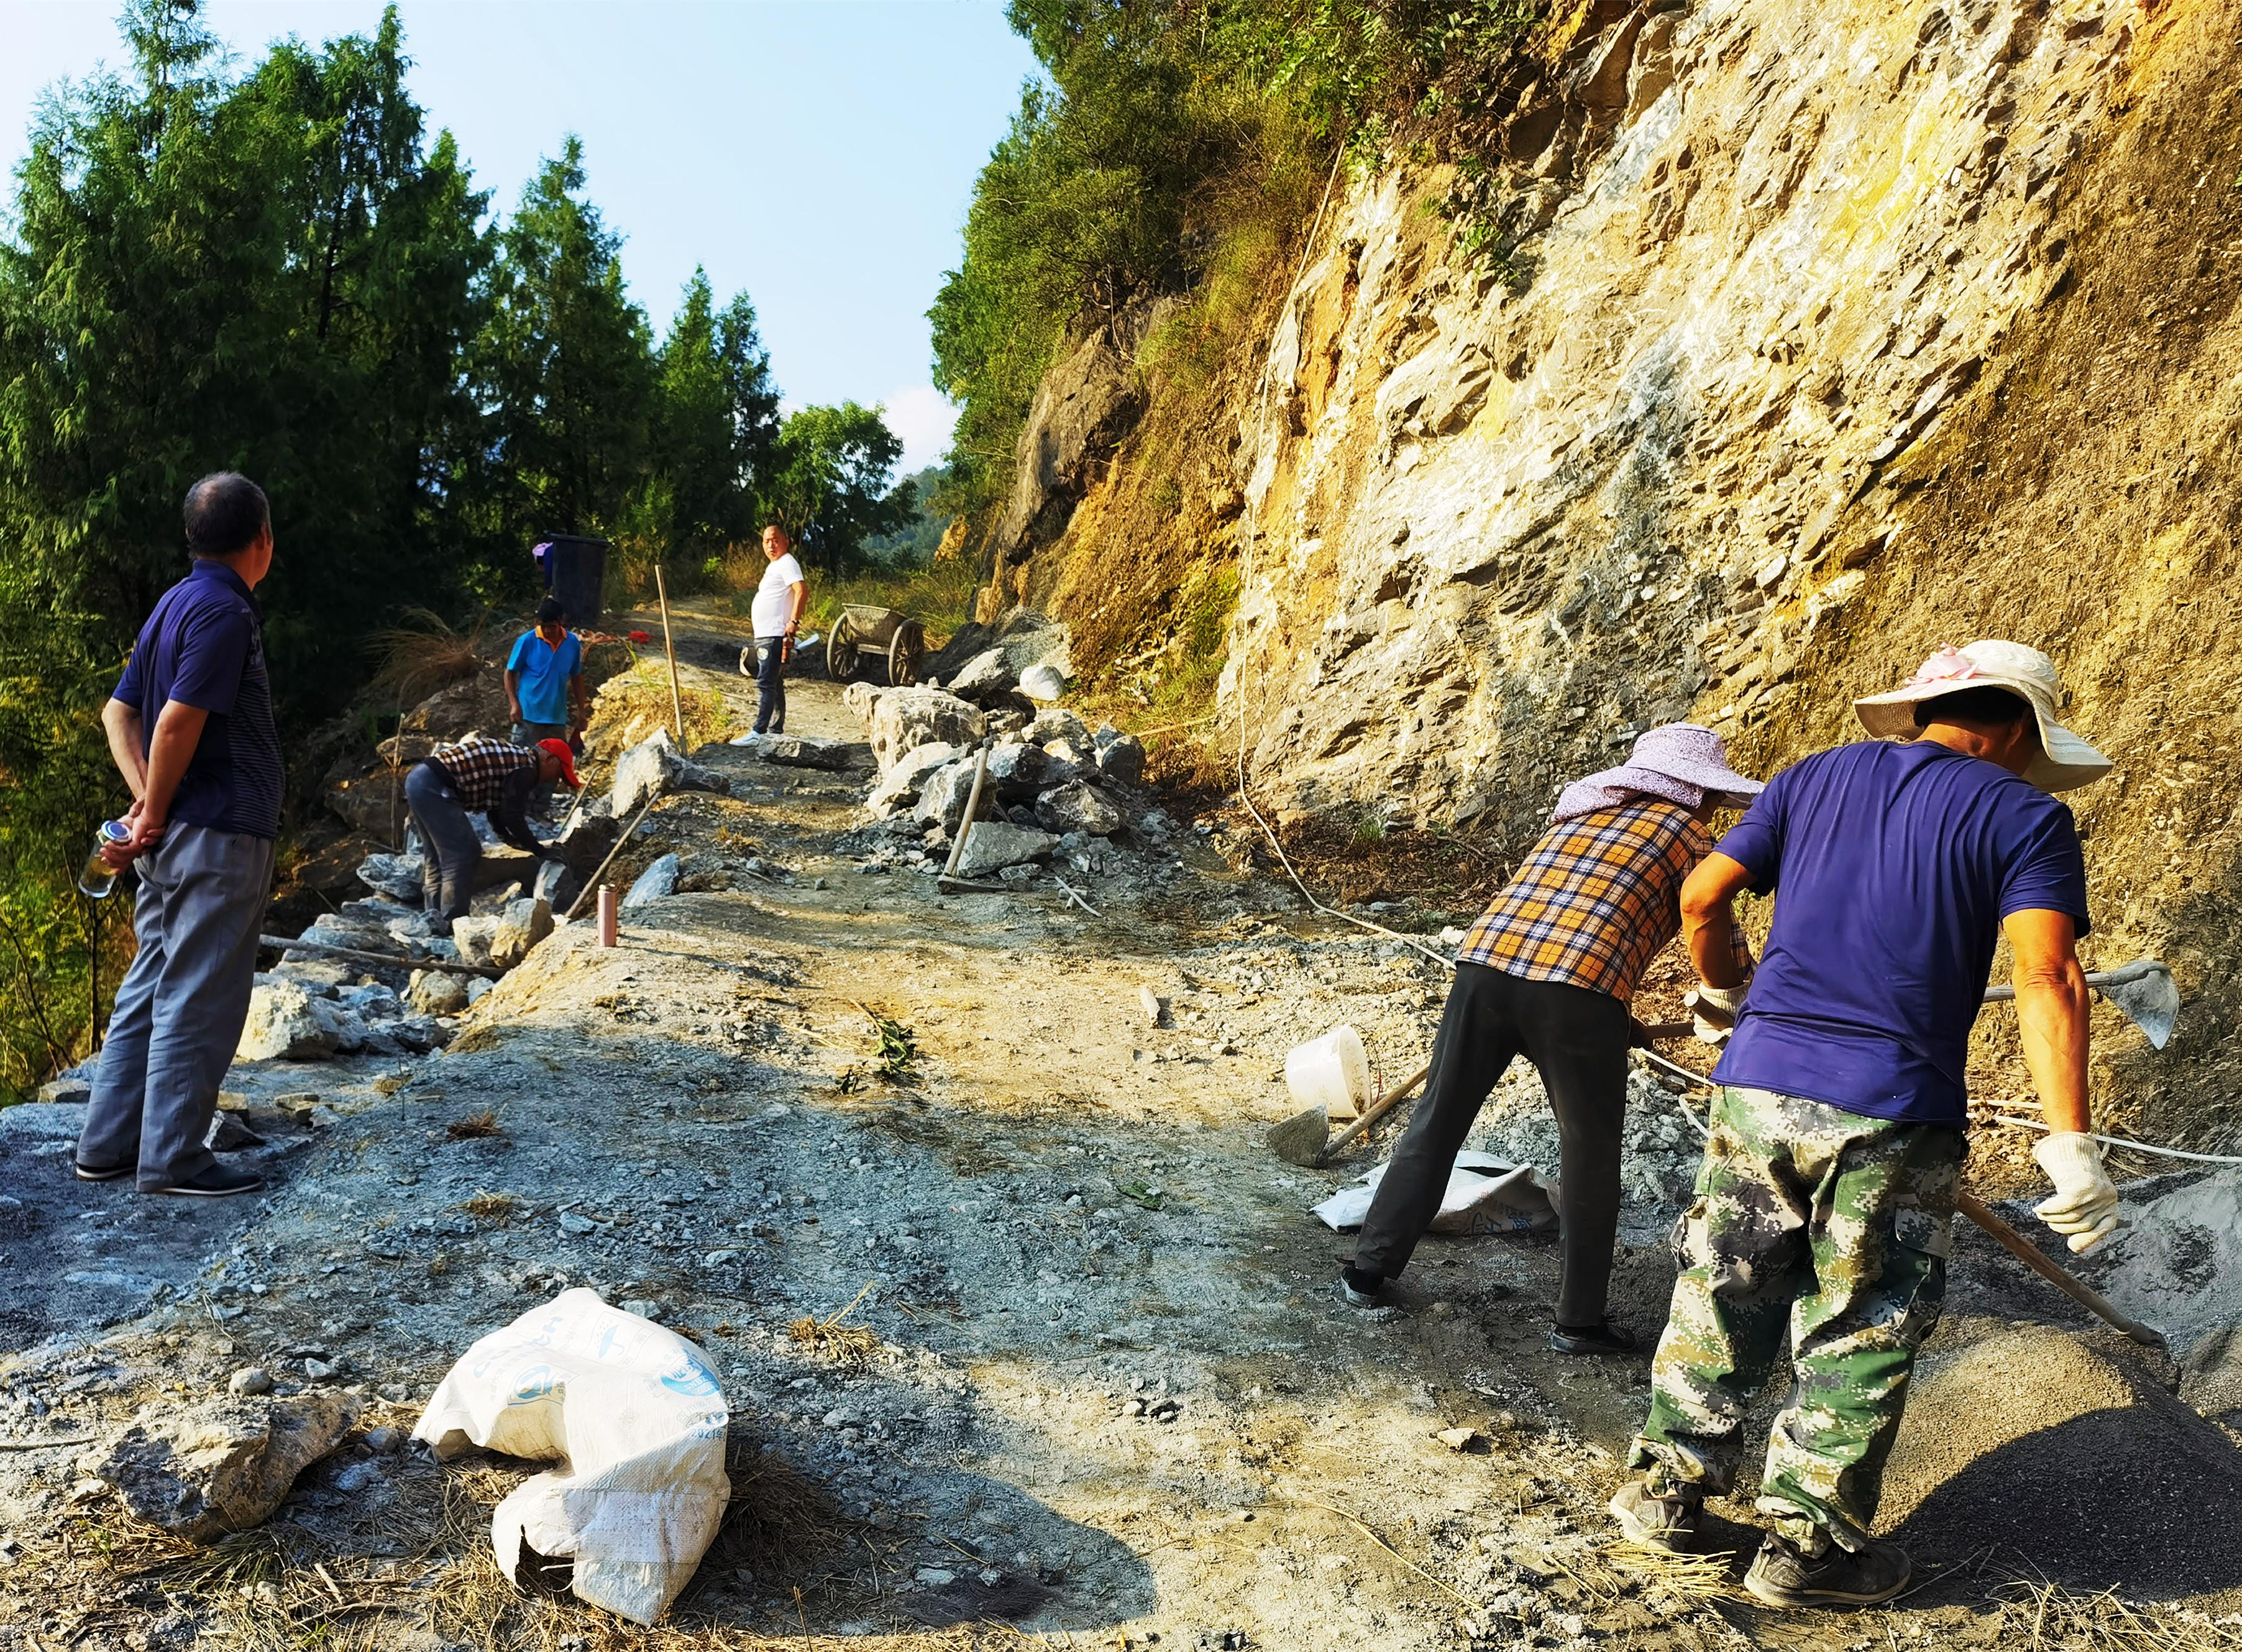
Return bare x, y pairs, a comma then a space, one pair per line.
1892, 867
205, 646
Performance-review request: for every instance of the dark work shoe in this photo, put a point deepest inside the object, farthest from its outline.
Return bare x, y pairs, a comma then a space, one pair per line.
1782, 1576
1667, 1521
1362, 1290
100, 1172
1605, 1339
217, 1182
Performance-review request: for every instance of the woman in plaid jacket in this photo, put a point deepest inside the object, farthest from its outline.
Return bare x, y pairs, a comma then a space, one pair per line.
1548, 972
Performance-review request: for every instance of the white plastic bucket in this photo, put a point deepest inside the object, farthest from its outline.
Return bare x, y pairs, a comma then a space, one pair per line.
1331, 1072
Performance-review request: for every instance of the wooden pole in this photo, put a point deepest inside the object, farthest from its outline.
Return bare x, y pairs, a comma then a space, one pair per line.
972, 807
2025, 1251
1361, 1127
387, 961
577, 905
669, 648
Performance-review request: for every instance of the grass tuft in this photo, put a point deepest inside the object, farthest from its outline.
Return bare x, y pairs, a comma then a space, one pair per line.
474, 1127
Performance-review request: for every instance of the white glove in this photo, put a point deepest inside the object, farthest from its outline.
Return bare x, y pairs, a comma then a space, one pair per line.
2084, 1205
1715, 1010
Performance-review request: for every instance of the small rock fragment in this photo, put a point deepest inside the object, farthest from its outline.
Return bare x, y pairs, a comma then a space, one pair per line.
249, 1380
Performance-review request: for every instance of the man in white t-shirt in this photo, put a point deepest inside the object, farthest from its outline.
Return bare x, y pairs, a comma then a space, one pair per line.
779, 602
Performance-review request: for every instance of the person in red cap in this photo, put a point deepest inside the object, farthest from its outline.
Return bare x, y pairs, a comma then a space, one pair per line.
486, 777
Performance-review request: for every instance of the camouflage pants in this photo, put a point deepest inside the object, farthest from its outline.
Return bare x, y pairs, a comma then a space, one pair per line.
1837, 1224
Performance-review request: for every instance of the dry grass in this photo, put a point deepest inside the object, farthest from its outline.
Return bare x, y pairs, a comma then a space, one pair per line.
830, 1338
279, 1589
424, 654
1701, 1578
500, 1208
2043, 1617
632, 704
474, 1127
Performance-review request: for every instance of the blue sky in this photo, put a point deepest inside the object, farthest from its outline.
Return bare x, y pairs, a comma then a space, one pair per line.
819, 153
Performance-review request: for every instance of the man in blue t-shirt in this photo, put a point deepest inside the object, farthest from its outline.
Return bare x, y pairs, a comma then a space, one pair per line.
190, 726
1829, 1183
545, 679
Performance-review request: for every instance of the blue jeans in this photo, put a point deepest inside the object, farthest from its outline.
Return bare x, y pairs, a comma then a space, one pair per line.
770, 685
181, 1006
453, 848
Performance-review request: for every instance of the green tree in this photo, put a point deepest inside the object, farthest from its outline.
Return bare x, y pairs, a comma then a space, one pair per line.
715, 418
275, 274
831, 484
565, 366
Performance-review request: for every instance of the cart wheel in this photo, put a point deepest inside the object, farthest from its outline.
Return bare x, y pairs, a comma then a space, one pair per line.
905, 653
841, 652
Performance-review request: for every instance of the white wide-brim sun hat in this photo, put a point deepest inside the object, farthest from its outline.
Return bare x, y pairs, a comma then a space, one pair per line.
2064, 760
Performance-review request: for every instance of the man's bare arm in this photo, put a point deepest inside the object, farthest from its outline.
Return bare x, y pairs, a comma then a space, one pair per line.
121, 722
178, 731
1708, 918
2051, 1012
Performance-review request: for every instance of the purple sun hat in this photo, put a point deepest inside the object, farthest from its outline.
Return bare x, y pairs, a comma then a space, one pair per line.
1682, 763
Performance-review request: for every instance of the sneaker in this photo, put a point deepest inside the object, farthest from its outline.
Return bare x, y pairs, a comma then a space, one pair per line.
1362, 1290
1838, 1576
217, 1182
1668, 1522
1605, 1339
99, 1172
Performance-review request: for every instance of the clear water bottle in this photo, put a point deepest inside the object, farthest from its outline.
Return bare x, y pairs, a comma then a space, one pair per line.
99, 877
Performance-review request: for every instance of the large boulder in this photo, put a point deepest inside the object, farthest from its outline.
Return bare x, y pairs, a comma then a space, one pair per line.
1120, 757
1056, 723
942, 800
986, 678
900, 786
1021, 772
200, 1472
904, 719
284, 1024
992, 846
395, 876
437, 992
1077, 807
858, 698
472, 935
653, 769
525, 923
655, 884
806, 751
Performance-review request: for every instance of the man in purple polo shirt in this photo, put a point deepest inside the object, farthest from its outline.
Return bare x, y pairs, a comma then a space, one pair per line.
1827, 1193
190, 726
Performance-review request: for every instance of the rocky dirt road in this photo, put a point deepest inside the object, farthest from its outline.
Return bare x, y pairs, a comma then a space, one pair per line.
1087, 1381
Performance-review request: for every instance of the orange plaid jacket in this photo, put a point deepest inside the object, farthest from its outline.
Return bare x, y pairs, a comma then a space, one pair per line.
1598, 898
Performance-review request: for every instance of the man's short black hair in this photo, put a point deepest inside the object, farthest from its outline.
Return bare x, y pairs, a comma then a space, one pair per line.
549, 610
1987, 705
225, 514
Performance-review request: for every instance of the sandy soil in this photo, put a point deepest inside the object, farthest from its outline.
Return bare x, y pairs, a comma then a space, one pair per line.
1113, 1399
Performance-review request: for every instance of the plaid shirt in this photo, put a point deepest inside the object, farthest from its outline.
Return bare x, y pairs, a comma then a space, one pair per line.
1598, 898
477, 771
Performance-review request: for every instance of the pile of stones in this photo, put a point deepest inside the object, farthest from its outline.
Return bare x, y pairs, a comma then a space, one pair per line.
1055, 792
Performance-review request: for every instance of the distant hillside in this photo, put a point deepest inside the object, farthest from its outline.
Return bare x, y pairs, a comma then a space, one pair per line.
914, 546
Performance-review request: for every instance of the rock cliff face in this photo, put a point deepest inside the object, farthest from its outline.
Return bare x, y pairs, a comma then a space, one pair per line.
1814, 336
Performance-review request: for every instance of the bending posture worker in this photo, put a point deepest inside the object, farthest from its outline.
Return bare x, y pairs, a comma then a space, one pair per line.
778, 612
1827, 1191
486, 777
545, 680
1548, 972
191, 729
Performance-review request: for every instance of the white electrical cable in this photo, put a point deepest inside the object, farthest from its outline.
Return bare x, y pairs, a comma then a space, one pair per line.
2120, 1141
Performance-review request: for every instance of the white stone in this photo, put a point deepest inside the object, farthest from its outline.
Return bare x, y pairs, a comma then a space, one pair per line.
282, 1026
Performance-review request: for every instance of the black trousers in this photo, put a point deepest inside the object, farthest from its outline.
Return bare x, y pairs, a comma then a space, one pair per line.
1578, 1041
770, 685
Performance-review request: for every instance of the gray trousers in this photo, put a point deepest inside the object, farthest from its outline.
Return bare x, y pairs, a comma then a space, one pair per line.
454, 850
181, 1007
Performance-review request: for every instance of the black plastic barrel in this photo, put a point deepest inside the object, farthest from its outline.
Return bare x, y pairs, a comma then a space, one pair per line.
576, 572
